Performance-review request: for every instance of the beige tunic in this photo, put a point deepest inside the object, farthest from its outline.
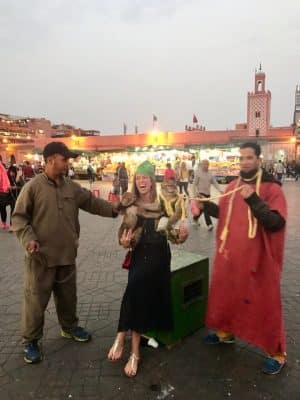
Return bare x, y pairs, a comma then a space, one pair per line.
48, 213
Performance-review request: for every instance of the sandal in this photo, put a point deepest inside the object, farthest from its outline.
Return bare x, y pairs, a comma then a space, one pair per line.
132, 365
116, 351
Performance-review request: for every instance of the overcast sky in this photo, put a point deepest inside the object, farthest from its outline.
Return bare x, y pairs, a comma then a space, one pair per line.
99, 63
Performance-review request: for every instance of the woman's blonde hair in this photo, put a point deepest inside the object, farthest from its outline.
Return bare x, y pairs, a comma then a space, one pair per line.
183, 165
153, 190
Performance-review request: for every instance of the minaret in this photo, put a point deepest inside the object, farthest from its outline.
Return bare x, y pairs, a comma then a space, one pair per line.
297, 111
259, 105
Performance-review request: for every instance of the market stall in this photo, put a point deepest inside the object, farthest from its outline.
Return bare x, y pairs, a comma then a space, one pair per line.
224, 162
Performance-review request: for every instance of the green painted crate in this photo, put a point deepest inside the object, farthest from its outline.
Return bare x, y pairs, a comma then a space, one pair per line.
189, 286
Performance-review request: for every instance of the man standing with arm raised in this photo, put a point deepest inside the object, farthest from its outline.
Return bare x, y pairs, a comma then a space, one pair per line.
46, 223
244, 297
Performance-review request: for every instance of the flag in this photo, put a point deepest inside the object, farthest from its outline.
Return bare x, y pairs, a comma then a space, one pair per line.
154, 118
195, 119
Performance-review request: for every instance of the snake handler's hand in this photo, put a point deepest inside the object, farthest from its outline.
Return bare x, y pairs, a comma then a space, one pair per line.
247, 191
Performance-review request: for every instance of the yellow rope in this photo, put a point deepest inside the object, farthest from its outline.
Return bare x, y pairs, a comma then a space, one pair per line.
252, 221
202, 199
225, 230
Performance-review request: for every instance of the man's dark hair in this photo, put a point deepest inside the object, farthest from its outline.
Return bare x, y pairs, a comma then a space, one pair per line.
252, 145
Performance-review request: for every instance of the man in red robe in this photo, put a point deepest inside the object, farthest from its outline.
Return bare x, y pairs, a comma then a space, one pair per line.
244, 298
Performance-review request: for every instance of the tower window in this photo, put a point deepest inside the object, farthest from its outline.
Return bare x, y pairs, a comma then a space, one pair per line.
259, 86
257, 132
257, 114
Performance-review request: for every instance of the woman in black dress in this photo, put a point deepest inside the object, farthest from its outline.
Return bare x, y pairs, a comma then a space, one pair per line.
146, 303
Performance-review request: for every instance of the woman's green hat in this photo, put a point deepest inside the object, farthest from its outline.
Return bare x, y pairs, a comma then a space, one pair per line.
146, 168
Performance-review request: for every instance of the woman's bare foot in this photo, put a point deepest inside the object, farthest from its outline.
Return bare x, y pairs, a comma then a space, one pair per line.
132, 365
116, 351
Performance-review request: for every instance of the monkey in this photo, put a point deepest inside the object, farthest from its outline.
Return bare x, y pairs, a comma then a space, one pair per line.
173, 206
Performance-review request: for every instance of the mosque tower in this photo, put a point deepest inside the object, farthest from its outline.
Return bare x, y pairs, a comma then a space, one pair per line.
259, 107
297, 111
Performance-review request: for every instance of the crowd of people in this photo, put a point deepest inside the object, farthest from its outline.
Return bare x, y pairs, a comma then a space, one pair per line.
12, 179
284, 170
244, 298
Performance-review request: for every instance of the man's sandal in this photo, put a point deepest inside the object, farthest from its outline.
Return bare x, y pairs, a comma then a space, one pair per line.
116, 351
132, 366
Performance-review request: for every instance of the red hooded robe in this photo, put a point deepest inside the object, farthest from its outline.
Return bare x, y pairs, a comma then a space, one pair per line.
244, 297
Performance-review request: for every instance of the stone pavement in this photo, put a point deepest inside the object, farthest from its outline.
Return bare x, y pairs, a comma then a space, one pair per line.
189, 371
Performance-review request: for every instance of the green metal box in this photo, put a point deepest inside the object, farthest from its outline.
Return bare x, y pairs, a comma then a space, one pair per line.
189, 286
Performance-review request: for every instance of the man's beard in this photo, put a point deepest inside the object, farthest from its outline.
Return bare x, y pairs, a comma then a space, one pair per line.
249, 174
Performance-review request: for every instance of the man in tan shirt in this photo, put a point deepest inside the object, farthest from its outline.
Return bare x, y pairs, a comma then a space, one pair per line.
46, 223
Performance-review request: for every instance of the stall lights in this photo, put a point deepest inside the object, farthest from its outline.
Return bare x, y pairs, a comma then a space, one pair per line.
154, 133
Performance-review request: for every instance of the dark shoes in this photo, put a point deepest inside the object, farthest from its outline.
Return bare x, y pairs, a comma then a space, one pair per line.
79, 334
32, 353
272, 366
212, 338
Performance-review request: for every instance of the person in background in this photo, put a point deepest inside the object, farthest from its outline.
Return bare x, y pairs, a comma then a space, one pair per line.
169, 172
4, 194
116, 185
279, 170
202, 183
192, 169
177, 170
183, 179
16, 183
71, 172
297, 171
13, 165
91, 173
118, 167
123, 178
28, 171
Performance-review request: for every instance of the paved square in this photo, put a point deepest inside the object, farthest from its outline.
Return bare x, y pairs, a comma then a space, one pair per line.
189, 371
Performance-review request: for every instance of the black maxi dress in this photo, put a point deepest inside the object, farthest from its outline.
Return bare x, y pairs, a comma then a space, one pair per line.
146, 304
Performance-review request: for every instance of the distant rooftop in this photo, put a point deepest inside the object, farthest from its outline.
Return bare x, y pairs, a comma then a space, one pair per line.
8, 117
